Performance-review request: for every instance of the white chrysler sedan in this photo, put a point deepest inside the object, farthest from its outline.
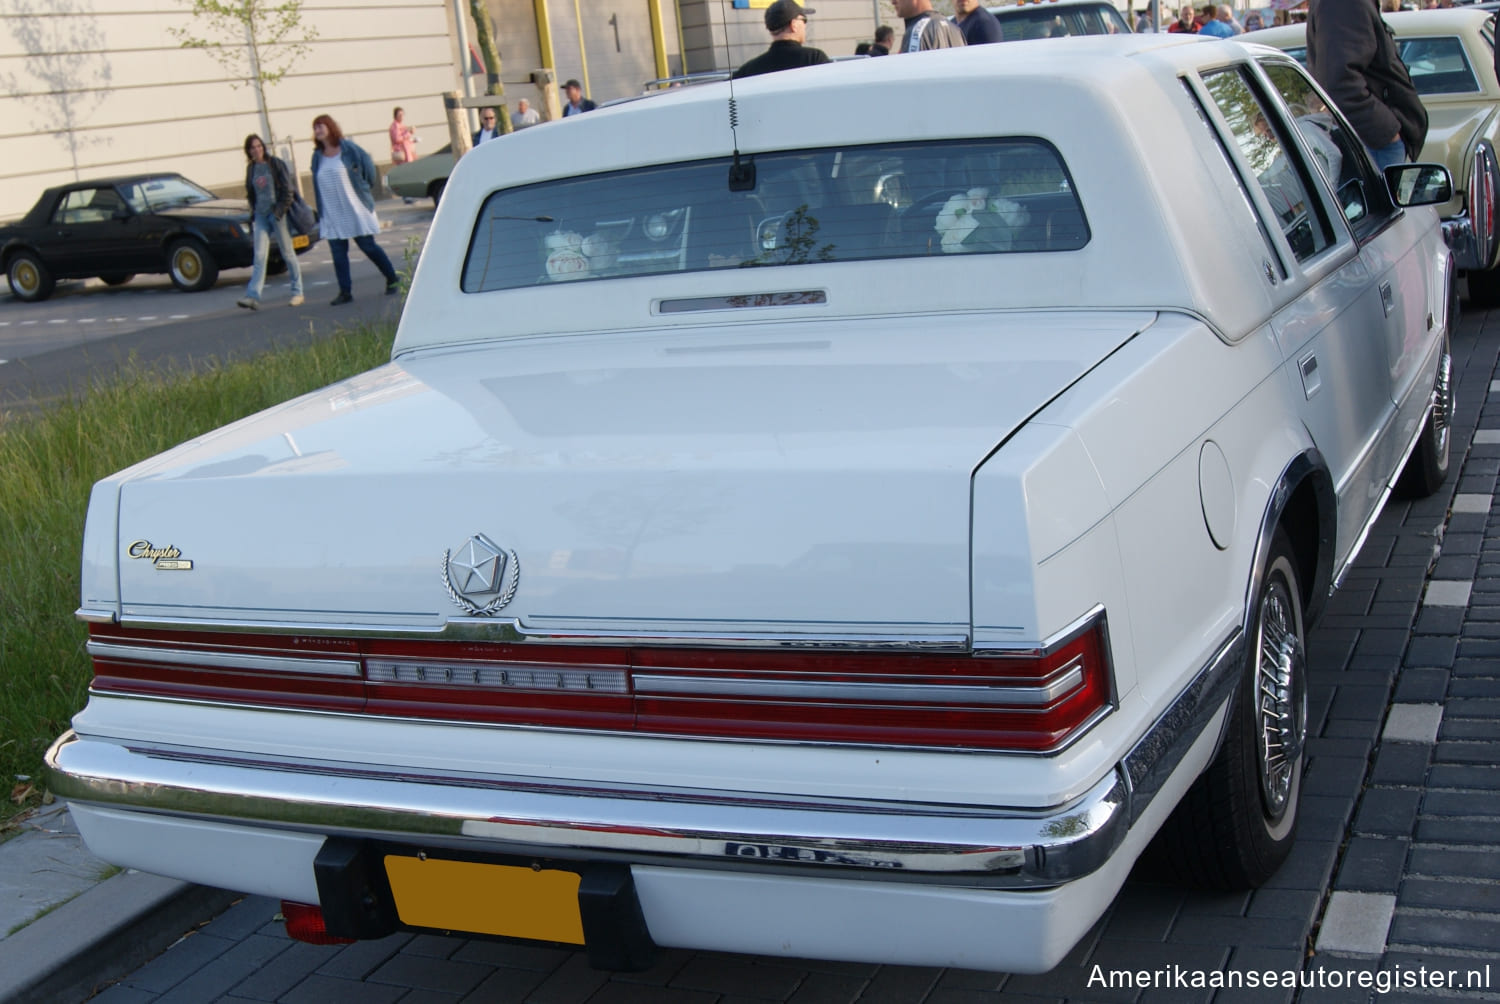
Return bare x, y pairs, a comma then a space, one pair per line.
774, 536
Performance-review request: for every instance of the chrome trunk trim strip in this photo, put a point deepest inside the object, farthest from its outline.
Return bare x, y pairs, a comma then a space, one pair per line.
177, 656
885, 693
497, 629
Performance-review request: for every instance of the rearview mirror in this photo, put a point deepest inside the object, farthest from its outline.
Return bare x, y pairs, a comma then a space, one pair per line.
1419, 184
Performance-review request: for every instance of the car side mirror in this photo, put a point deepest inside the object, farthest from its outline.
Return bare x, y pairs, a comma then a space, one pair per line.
122, 213
1419, 184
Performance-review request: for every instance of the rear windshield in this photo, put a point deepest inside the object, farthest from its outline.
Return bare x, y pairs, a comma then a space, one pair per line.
1438, 65
1042, 21
898, 200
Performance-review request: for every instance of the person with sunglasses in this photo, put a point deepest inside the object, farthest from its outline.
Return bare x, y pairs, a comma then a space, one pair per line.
786, 20
488, 128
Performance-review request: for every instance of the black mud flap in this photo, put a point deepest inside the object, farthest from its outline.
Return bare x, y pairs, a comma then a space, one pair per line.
614, 929
353, 891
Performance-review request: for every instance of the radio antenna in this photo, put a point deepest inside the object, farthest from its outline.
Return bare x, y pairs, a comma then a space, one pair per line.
741, 172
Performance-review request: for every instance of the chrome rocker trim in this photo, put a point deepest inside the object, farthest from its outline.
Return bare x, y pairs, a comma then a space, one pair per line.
993, 848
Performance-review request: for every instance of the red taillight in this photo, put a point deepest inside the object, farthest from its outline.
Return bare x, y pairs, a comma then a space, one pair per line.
304, 922
1482, 198
1033, 701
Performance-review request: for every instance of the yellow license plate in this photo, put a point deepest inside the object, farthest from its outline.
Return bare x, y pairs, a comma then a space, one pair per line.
300, 241
502, 900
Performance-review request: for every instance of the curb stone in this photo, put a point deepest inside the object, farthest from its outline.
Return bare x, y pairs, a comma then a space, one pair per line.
100, 935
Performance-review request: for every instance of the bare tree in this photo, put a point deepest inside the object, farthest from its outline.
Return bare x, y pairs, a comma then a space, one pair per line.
257, 42
491, 55
66, 60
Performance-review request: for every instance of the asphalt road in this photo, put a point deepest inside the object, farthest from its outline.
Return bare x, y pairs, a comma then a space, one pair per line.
86, 330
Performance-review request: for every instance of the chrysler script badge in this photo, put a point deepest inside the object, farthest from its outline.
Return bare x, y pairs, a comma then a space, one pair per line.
480, 576
165, 559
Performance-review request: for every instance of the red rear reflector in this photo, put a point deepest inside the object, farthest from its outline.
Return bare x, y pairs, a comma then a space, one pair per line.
304, 922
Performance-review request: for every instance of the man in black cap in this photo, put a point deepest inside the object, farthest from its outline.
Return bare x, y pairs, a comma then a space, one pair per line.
786, 20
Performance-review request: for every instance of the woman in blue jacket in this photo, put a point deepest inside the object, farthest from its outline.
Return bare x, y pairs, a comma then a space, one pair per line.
343, 176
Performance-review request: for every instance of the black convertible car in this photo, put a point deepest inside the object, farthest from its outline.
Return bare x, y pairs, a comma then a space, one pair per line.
114, 228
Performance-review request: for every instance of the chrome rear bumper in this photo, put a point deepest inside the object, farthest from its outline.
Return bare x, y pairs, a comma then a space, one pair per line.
989, 847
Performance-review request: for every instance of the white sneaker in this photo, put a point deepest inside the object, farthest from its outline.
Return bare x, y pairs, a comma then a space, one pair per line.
297, 300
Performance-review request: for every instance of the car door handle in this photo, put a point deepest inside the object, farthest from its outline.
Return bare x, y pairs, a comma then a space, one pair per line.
1387, 298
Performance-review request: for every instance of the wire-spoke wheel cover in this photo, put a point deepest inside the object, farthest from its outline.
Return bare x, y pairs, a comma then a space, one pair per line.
1442, 403
1280, 696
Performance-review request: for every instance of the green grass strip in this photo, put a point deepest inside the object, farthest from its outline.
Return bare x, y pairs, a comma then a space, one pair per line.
48, 464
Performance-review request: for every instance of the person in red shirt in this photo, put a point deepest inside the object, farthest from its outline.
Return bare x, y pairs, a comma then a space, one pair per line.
1185, 21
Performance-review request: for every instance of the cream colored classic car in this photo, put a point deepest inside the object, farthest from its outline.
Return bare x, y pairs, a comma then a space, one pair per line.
802, 532
1451, 56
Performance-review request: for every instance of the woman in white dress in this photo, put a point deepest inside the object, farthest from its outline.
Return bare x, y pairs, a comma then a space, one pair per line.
343, 180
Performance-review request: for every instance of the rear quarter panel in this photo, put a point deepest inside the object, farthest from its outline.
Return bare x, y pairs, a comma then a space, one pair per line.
1139, 543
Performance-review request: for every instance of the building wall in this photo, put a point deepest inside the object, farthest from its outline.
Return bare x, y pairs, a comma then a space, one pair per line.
613, 56
90, 88
96, 87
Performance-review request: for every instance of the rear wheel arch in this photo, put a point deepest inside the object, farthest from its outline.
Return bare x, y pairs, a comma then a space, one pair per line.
1304, 506
1236, 823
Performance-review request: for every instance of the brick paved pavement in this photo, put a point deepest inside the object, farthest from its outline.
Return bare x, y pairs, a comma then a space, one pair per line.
1396, 862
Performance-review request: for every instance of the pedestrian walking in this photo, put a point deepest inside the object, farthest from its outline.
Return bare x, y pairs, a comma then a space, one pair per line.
885, 37
268, 189
343, 177
403, 138
525, 115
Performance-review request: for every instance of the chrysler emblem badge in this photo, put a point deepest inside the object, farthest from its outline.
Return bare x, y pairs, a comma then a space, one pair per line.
480, 576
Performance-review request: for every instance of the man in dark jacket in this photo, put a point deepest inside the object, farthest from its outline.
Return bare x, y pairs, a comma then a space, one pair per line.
786, 20
577, 103
1352, 53
977, 23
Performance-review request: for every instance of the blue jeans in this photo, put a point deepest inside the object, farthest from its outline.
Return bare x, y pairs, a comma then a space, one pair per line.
340, 248
1388, 156
265, 224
